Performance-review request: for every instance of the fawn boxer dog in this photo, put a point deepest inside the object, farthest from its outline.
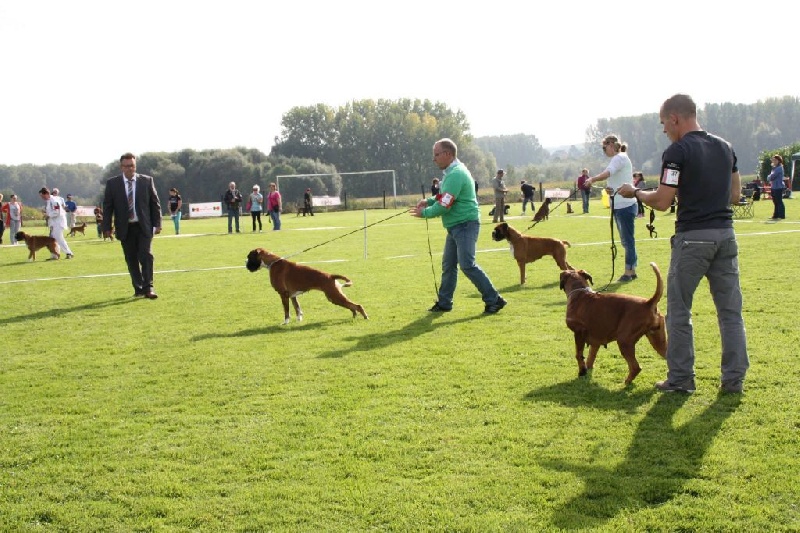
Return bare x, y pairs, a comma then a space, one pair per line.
290, 280
599, 318
37, 242
527, 249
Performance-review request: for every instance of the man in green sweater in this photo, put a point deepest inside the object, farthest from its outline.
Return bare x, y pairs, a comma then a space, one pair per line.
458, 206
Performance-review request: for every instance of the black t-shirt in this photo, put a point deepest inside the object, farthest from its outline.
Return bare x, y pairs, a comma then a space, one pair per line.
700, 166
173, 203
527, 190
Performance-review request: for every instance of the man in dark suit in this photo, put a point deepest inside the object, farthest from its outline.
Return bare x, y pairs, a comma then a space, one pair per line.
132, 201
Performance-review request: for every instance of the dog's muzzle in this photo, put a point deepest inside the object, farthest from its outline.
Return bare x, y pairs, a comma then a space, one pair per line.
497, 236
253, 262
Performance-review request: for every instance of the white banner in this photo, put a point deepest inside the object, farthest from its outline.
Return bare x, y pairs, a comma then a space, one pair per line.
85, 211
205, 209
557, 193
326, 200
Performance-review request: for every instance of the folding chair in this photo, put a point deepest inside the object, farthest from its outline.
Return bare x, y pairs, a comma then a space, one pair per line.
744, 208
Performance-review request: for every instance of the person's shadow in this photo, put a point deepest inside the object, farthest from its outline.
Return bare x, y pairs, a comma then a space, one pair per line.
661, 459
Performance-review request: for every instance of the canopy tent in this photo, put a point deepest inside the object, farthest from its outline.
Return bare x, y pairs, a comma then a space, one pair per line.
793, 183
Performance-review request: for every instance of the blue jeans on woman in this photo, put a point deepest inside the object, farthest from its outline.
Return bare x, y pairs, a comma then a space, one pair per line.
275, 215
625, 219
459, 251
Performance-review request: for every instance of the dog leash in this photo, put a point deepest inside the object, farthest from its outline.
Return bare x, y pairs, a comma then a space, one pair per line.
345, 235
430, 253
613, 244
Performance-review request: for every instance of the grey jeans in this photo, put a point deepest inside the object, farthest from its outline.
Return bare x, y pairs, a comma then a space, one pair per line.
713, 254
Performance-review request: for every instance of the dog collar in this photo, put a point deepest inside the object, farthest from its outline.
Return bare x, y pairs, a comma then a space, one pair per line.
582, 289
270, 264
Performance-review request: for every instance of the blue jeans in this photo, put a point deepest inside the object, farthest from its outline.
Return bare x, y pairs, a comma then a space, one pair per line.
625, 219
176, 221
459, 251
275, 215
779, 210
585, 197
233, 213
712, 254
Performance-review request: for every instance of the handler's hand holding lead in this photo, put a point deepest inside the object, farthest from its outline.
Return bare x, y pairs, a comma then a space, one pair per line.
627, 190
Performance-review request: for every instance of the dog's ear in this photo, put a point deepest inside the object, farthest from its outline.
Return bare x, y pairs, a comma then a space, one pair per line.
585, 275
563, 279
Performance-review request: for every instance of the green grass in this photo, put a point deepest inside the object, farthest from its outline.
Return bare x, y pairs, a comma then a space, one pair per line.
199, 411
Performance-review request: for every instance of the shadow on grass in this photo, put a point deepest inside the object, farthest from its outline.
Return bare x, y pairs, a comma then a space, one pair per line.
375, 341
582, 392
660, 460
63, 310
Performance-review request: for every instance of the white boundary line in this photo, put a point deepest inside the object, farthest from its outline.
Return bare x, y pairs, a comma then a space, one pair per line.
405, 256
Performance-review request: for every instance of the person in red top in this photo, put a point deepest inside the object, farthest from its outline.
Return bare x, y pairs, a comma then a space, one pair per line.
585, 191
274, 206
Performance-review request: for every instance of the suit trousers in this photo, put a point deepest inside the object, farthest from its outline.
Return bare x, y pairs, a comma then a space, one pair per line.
137, 248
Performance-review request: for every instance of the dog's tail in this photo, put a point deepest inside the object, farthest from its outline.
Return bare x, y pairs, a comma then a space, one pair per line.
566, 243
346, 280
653, 301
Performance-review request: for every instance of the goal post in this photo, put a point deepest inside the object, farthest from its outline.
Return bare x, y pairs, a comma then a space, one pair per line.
362, 173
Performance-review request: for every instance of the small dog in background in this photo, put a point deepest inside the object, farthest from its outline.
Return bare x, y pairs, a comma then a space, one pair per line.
110, 235
37, 242
78, 229
290, 280
569, 208
544, 211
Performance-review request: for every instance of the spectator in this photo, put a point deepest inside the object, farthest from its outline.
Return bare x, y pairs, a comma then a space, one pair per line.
232, 201
639, 183
308, 203
14, 218
3, 209
777, 185
274, 206
72, 208
527, 194
254, 204
98, 219
499, 188
175, 205
586, 190
435, 187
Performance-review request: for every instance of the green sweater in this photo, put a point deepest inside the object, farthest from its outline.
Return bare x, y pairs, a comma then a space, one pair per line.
458, 184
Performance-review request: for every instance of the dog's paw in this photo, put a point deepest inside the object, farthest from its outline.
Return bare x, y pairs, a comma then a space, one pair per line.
299, 317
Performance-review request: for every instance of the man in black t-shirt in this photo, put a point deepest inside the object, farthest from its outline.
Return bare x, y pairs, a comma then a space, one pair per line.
700, 168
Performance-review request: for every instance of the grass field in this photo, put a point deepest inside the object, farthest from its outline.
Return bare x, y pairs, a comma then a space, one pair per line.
199, 411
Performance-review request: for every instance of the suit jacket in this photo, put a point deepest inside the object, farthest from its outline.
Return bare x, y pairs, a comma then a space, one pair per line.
115, 205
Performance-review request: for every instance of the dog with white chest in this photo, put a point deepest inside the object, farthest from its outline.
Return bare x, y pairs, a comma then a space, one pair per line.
290, 280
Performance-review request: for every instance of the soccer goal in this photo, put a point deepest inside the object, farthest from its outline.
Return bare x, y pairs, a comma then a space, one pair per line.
351, 186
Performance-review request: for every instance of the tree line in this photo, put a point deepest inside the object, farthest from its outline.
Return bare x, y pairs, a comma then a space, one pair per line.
398, 135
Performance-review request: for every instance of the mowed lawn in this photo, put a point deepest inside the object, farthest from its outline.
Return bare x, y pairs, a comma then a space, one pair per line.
200, 411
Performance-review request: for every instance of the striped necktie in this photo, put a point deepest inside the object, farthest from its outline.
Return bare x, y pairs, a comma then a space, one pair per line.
130, 199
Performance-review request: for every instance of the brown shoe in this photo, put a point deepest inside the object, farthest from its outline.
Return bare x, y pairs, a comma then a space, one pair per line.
151, 295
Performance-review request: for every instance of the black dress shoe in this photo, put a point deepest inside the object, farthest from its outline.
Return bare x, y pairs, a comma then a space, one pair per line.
151, 294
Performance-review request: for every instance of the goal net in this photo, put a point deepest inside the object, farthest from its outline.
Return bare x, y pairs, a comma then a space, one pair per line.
348, 190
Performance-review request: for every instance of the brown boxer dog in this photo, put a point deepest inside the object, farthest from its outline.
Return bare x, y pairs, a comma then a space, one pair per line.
599, 318
37, 242
527, 249
74, 230
290, 280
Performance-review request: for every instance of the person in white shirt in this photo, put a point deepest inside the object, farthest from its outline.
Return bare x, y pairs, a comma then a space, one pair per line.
55, 210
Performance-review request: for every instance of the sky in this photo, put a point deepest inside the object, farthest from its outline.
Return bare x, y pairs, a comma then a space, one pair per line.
85, 81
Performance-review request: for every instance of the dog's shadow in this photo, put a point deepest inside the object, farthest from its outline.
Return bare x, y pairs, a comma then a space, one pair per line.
272, 328
375, 341
661, 459
60, 311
